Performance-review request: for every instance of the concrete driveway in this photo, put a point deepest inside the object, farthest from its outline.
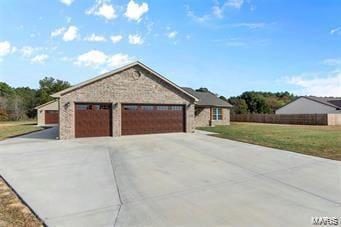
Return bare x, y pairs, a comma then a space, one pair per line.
168, 180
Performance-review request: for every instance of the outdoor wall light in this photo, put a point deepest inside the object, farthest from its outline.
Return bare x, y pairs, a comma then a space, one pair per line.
66, 105
114, 105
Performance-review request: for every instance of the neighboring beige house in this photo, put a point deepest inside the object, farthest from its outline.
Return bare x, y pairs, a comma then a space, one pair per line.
133, 99
47, 113
312, 105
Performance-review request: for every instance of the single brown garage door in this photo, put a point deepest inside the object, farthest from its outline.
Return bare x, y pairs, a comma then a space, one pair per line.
93, 119
146, 119
51, 116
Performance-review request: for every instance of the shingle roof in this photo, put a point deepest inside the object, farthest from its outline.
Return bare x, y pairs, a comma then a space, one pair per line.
329, 101
207, 98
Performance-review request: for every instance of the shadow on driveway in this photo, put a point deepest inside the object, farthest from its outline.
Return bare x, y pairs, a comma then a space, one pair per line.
46, 134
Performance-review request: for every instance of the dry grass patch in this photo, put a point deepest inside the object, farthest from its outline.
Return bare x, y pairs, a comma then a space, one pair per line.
13, 128
12, 211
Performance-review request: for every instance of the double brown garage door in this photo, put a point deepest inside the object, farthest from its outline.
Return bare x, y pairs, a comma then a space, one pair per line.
96, 119
146, 119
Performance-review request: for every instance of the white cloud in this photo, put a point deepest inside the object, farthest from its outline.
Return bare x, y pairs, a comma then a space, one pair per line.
329, 85
172, 34
41, 58
57, 32
26, 51
194, 17
95, 38
117, 60
14, 49
71, 34
251, 26
96, 58
65, 58
336, 31
103, 9
135, 11
5, 48
66, 2
237, 4
135, 39
218, 11
68, 19
34, 34
116, 38
92, 58
332, 61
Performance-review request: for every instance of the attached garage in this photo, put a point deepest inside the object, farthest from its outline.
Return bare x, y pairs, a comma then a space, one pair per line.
147, 119
51, 117
130, 100
48, 113
93, 120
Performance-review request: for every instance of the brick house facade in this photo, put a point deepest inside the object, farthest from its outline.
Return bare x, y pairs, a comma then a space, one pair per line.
134, 84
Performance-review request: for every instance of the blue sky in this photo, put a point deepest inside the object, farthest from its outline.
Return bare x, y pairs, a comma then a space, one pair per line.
228, 46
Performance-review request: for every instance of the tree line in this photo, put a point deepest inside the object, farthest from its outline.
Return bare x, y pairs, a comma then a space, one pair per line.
257, 101
19, 103
260, 102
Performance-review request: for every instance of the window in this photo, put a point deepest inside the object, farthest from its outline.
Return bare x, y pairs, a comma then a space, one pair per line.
83, 107
130, 107
162, 108
176, 108
217, 114
93, 106
147, 107
104, 106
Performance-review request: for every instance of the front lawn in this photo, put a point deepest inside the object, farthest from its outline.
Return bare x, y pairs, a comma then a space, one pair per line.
322, 141
14, 128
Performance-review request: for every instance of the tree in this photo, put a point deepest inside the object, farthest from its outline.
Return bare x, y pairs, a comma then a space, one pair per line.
30, 101
6, 90
239, 105
18, 103
223, 98
260, 102
49, 86
202, 89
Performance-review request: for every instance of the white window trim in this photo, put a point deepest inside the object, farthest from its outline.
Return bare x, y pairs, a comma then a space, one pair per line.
215, 116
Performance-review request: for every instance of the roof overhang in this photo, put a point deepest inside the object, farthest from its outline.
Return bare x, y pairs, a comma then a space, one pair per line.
45, 104
118, 70
220, 106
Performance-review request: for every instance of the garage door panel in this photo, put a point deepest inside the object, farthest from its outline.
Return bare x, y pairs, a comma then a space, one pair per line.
51, 116
145, 119
93, 120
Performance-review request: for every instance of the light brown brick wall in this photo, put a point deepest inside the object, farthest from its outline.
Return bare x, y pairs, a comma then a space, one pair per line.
226, 118
123, 88
41, 112
202, 119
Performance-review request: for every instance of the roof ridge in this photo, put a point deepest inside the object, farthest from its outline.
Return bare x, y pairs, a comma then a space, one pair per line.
118, 70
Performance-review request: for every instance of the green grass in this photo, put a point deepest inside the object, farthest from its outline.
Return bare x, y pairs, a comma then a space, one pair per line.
321, 141
13, 128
